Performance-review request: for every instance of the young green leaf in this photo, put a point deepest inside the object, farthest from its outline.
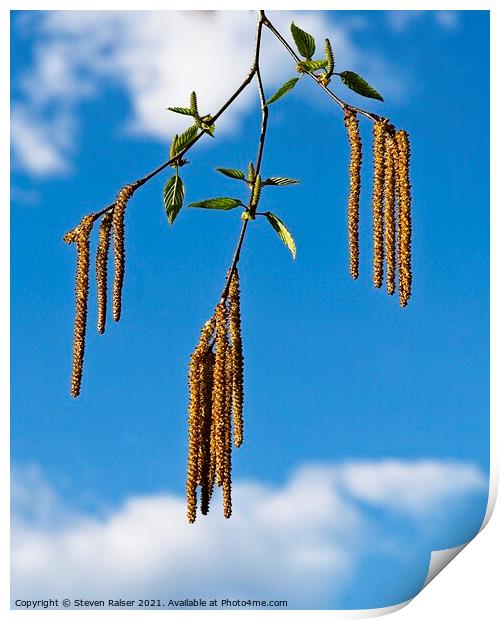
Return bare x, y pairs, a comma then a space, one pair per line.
185, 139
311, 65
233, 173
251, 173
283, 232
330, 59
194, 105
283, 90
224, 203
207, 126
185, 111
356, 83
173, 147
173, 196
304, 41
210, 129
280, 181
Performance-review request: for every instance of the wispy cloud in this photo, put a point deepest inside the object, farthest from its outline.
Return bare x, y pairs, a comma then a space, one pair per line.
448, 20
40, 146
304, 541
400, 21
155, 59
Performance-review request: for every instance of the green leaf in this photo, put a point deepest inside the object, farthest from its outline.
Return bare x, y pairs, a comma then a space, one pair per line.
311, 65
280, 181
185, 111
223, 203
304, 41
173, 146
194, 105
283, 90
205, 123
330, 58
356, 83
233, 173
173, 196
283, 232
251, 173
184, 139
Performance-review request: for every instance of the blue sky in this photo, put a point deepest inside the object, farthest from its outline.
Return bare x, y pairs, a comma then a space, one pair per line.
338, 377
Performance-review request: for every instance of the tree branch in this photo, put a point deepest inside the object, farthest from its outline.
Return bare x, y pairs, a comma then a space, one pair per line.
260, 149
253, 70
332, 95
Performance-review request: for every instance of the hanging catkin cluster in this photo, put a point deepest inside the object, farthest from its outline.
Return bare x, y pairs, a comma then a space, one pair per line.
113, 221
215, 404
391, 193
80, 236
392, 155
352, 124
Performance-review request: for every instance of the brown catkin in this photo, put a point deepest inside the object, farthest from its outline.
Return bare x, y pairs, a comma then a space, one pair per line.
379, 132
194, 423
119, 247
226, 482
404, 216
205, 374
212, 442
237, 357
195, 396
389, 212
204, 459
80, 236
352, 124
218, 392
215, 401
101, 269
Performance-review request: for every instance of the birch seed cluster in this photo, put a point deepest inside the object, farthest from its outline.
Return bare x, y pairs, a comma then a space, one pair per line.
215, 404
112, 224
391, 204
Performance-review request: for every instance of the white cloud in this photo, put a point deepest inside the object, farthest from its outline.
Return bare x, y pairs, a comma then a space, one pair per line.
39, 146
302, 541
413, 488
449, 20
156, 59
400, 21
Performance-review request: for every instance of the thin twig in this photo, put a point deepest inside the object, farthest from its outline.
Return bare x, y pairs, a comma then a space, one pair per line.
260, 150
262, 97
254, 70
139, 182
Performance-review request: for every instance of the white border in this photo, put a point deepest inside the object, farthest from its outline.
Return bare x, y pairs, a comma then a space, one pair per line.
467, 587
